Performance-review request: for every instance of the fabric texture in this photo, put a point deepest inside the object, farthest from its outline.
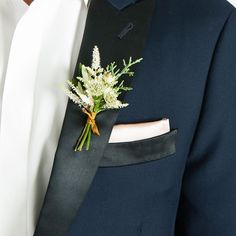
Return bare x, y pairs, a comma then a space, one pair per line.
208, 196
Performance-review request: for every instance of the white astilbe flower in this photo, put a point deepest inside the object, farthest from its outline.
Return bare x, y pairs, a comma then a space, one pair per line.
111, 101
95, 87
96, 61
90, 71
77, 89
109, 79
73, 97
115, 105
85, 100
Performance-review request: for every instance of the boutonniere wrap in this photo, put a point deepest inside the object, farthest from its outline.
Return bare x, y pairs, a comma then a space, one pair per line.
96, 89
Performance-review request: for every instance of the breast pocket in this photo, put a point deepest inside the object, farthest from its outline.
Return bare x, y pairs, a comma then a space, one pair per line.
140, 151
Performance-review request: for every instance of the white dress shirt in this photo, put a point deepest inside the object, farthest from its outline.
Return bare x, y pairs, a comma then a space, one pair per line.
14, 10
43, 54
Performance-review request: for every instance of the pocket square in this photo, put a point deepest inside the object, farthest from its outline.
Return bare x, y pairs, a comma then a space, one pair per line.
139, 131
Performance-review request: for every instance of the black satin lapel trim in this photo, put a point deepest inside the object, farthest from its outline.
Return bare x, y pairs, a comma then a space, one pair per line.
150, 149
73, 172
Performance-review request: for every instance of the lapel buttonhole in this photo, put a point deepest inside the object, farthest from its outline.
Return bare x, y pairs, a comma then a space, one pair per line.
125, 30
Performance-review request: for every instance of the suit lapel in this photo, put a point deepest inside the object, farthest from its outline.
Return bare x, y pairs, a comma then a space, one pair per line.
119, 35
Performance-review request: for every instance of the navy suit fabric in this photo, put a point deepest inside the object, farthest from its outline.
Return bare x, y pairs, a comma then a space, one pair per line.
208, 199
188, 75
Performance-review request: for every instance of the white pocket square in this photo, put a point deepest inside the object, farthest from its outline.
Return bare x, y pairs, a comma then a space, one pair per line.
139, 131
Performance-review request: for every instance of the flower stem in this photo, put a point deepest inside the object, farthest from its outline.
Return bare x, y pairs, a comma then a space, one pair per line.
82, 138
89, 138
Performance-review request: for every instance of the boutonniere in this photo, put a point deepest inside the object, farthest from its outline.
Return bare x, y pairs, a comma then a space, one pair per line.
96, 89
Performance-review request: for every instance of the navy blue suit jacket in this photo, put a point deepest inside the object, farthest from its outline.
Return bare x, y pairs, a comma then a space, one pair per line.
188, 75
